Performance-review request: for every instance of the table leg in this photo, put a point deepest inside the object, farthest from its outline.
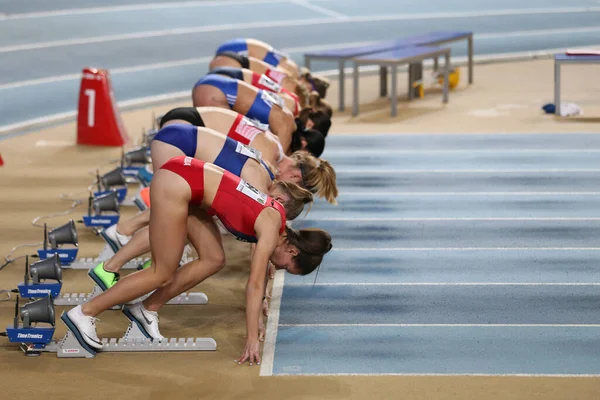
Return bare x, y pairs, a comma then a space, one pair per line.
342, 78
383, 81
556, 88
355, 91
410, 81
471, 59
446, 73
394, 90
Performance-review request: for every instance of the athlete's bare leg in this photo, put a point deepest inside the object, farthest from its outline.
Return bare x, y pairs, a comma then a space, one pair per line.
170, 195
205, 237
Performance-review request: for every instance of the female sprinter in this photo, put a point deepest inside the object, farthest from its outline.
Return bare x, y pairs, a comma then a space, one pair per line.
301, 168
207, 145
294, 102
305, 82
262, 51
184, 183
265, 107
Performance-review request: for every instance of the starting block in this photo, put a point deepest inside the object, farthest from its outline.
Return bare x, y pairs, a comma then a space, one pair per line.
75, 299
35, 340
133, 340
66, 234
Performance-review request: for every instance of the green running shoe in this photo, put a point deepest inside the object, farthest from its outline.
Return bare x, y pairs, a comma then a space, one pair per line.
104, 279
145, 265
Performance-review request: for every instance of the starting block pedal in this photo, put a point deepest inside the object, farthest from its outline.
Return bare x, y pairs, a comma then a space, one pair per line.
74, 299
134, 340
87, 263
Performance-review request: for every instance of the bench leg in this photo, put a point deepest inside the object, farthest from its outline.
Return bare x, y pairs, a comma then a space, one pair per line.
557, 88
470, 59
383, 81
394, 90
446, 73
342, 77
355, 91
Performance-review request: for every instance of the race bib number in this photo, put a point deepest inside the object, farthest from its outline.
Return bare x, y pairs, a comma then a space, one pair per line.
248, 151
272, 98
276, 75
247, 129
252, 192
260, 125
269, 84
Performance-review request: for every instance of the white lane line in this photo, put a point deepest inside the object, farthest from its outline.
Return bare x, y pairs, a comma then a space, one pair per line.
135, 7
449, 219
465, 194
443, 325
320, 10
266, 367
310, 284
389, 171
62, 117
299, 22
166, 65
378, 152
474, 374
374, 249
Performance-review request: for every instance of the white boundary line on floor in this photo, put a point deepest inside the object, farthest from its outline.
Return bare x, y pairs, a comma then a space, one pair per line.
388, 171
446, 374
268, 358
449, 219
377, 152
135, 7
310, 284
441, 325
372, 249
465, 194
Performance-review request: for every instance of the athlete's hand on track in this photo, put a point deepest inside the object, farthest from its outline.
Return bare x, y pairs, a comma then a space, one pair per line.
251, 353
261, 329
265, 308
271, 270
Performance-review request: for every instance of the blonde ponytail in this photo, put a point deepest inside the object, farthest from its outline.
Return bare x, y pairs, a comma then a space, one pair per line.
318, 175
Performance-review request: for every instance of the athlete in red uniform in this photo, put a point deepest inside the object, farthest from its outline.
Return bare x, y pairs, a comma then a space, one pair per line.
301, 168
184, 183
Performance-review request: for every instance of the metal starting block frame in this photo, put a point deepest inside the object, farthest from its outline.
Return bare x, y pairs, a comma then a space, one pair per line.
133, 341
74, 299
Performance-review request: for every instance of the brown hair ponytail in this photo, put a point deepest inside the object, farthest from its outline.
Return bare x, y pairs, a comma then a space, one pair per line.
312, 245
298, 197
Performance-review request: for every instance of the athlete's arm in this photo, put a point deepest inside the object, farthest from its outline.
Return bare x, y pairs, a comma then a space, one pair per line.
267, 227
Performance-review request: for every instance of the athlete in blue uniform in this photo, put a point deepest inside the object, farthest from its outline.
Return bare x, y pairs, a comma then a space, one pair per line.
261, 106
261, 50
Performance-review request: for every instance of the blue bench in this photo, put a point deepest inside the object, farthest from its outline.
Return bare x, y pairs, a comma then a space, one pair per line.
430, 39
393, 59
560, 59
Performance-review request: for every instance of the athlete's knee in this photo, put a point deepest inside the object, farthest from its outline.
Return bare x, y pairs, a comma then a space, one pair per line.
217, 260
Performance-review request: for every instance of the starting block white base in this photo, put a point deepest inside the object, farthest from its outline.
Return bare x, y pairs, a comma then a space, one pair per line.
75, 299
133, 341
87, 263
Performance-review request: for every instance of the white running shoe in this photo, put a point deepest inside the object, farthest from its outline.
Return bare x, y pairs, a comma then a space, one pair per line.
146, 320
83, 327
117, 238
